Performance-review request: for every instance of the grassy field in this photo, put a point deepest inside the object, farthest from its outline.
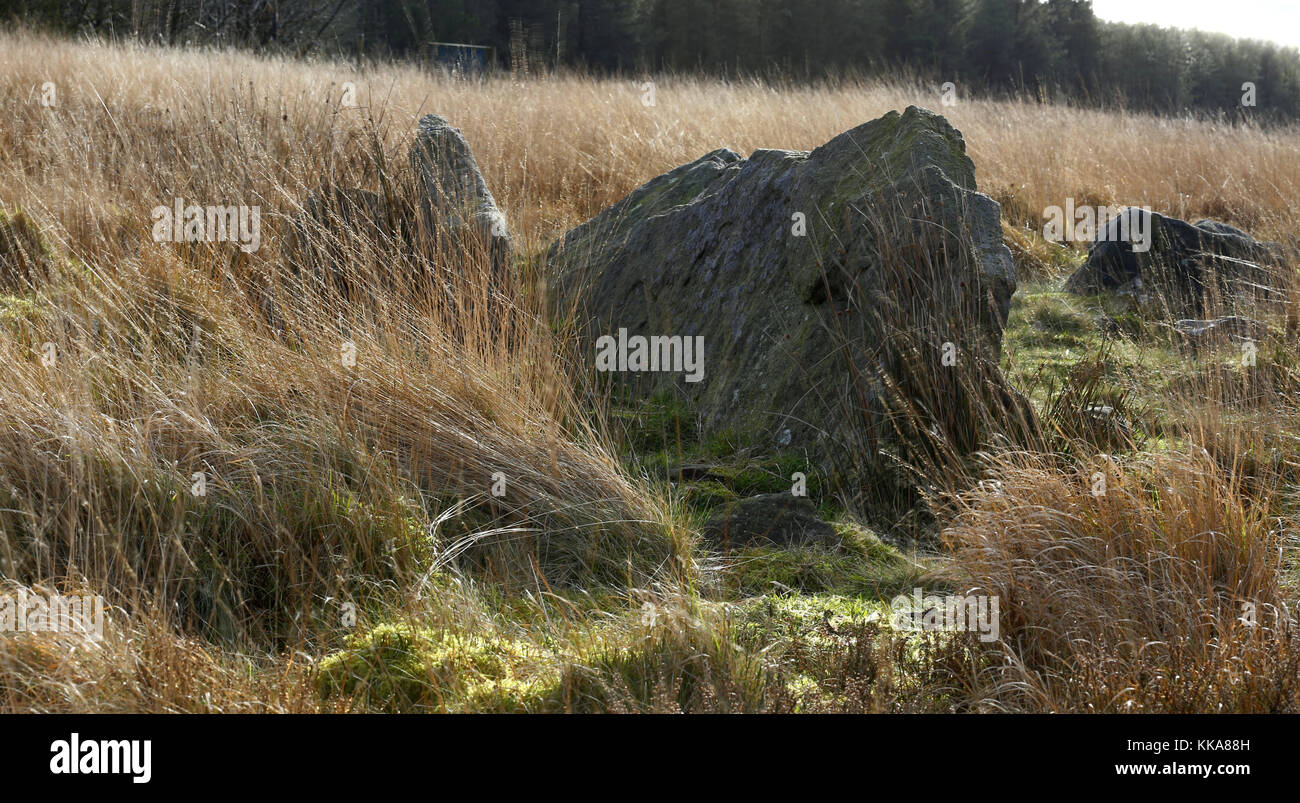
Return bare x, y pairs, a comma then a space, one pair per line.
346, 552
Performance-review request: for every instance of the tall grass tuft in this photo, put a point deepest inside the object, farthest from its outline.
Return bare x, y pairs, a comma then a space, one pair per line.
1151, 586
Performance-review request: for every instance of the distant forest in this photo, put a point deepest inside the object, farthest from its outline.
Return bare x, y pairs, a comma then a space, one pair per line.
1046, 49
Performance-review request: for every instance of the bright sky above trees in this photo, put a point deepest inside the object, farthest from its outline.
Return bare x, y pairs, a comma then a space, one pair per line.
1271, 20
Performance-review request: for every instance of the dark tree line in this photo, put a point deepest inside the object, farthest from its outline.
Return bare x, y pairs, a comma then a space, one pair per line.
1047, 48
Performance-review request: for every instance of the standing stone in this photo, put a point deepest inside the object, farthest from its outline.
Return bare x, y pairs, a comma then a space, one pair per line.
454, 200
425, 230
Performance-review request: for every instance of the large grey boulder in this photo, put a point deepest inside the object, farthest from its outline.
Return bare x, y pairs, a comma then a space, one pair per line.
1175, 263
827, 286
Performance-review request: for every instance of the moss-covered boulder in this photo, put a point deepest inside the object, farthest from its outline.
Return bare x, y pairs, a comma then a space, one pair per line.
826, 288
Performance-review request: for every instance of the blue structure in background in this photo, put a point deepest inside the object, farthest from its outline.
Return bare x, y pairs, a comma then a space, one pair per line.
461, 58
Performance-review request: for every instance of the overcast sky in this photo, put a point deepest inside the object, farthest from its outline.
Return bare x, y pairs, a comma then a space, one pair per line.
1273, 20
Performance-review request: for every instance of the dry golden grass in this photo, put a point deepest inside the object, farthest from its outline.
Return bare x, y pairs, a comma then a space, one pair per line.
325, 481
1154, 588
134, 125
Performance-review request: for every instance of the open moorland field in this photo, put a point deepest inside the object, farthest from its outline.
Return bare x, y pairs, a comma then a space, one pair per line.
295, 497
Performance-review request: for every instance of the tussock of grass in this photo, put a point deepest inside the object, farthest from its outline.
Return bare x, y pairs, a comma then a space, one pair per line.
26, 260
862, 566
1135, 599
1037, 259
678, 657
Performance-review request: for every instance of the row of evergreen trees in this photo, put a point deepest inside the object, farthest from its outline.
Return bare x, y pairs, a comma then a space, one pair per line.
1048, 48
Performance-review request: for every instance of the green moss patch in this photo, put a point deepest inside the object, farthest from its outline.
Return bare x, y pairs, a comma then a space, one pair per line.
836, 653
683, 661
401, 668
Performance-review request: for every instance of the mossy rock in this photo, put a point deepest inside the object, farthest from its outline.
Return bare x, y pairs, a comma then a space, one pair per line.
1176, 264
